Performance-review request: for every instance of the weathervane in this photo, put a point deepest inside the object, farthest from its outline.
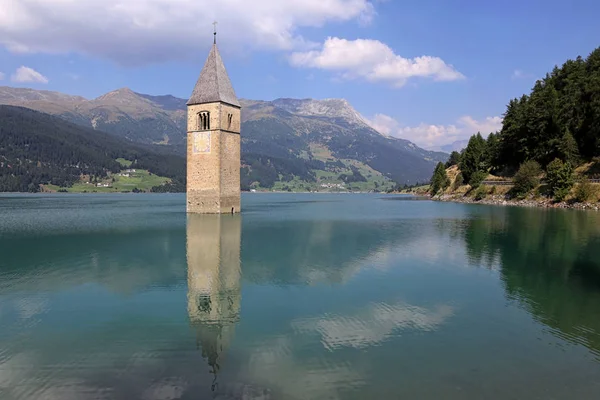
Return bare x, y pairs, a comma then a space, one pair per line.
215, 25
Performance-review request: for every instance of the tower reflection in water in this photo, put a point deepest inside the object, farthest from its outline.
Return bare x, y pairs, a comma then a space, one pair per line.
214, 289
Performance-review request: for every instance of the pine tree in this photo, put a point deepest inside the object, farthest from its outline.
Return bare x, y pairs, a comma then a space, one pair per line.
590, 143
474, 157
542, 123
492, 149
439, 180
567, 148
453, 160
511, 147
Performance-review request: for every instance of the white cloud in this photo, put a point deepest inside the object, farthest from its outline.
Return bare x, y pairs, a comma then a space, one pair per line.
25, 74
488, 125
374, 61
433, 136
1, 76
142, 31
384, 124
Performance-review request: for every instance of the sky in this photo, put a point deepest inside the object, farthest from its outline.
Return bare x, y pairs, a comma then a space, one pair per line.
433, 72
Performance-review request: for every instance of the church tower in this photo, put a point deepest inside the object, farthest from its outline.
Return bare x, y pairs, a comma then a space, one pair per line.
213, 141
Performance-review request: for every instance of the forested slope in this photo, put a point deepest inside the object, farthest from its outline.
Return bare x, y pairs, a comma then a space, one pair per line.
37, 148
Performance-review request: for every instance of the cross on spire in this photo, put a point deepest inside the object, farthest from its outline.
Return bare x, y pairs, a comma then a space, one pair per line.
215, 25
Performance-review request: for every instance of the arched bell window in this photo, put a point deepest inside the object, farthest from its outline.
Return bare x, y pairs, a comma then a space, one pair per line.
203, 121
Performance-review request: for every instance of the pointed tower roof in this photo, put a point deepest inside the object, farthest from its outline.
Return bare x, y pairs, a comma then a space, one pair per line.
214, 84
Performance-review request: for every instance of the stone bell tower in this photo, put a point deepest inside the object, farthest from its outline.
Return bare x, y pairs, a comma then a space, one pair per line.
213, 141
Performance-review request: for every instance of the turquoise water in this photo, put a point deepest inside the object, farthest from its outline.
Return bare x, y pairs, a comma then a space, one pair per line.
301, 297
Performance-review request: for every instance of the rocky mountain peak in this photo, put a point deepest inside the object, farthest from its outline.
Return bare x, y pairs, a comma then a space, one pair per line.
331, 108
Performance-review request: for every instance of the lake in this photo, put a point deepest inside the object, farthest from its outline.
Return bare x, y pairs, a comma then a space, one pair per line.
303, 296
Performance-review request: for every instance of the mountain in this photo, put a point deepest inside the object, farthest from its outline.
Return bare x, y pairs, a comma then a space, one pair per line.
323, 132
37, 148
124, 113
284, 141
337, 109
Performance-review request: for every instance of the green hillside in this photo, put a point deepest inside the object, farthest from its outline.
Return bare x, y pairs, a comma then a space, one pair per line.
549, 143
37, 149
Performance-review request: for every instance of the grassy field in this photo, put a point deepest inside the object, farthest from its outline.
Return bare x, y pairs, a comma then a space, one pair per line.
140, 179
328, 181
295, 185
125, 163
321, 152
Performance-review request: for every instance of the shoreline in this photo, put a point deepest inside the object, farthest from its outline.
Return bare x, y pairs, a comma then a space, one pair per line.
501, 200
490, 200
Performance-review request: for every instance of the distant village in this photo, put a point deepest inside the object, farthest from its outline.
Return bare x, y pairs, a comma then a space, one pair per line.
126, 173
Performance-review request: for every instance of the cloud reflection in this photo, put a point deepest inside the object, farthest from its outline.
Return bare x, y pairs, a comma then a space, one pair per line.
374, 324
29, 307
279, 365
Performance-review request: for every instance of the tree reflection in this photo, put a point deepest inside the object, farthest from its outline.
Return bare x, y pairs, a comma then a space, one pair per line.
549, 262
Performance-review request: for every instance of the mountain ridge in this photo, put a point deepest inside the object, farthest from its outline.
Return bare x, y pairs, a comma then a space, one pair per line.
283, 132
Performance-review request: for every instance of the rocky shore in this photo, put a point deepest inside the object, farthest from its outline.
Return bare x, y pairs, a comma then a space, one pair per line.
502, 200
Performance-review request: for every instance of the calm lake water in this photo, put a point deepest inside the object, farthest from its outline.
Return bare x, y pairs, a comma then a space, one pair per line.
301, 297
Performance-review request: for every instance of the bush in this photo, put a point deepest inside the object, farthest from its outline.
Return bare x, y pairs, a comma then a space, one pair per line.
481, 192
526, 178
458, 181
585, 192
559, 176
476, 178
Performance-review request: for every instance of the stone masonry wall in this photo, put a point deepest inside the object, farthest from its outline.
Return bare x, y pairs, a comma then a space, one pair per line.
235, 121
213, 176
230, 172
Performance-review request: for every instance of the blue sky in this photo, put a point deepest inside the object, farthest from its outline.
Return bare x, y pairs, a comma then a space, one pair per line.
430, 71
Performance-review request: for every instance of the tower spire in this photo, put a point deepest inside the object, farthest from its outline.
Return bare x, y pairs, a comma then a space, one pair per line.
213, 84
215, 32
